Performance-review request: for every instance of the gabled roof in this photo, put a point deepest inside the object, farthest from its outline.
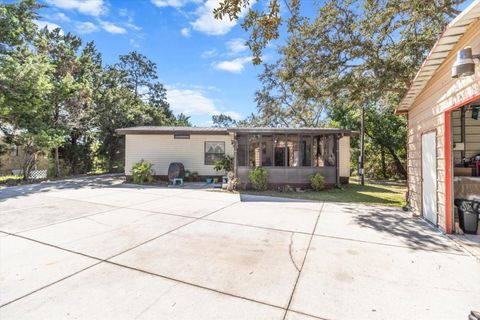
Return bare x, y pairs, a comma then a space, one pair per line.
440, 51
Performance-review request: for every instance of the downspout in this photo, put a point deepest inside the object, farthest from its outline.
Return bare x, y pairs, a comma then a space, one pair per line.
235, 158
337, 159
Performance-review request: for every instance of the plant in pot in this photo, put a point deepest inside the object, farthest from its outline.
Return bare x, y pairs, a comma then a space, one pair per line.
226, 165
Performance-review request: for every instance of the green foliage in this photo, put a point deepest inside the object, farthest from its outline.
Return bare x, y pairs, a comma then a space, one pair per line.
317, 181
225, 164
223, 121
142, 172
350, 55
258, 178
52, 84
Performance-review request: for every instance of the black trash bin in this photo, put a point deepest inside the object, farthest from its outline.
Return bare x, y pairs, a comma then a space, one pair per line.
468, 211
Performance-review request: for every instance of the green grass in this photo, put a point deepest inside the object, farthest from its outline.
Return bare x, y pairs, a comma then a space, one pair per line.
370, 193
4, 179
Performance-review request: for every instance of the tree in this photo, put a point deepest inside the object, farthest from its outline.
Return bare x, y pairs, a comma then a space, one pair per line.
353, 54
138, 71
223, 121
70, 97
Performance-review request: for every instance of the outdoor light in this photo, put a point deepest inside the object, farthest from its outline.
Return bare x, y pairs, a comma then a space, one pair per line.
464, 66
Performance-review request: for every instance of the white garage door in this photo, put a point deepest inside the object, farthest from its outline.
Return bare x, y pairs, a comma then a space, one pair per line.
429, 177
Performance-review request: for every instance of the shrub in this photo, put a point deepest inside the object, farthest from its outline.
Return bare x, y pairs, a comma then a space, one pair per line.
258, 177
142, 172
226, 164
317, 181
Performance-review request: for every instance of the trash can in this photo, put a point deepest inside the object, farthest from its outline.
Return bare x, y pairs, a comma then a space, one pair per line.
468, 211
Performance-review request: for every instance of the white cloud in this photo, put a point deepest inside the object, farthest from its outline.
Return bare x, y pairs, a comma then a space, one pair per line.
235, 66
173, 3
209, 53
60, 16
50, 25
133, 26
236, 45
85, 27
190, 101
234, 115
89, 7
112, 28
185, 32
134, 43
206, 23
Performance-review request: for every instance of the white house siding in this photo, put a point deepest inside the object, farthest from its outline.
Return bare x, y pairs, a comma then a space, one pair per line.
344, 150
427, 113
163, 149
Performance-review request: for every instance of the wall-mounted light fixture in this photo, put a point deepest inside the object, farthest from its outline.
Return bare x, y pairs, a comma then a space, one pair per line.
464, 66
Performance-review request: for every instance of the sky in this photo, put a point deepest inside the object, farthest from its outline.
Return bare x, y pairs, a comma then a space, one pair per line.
203, 62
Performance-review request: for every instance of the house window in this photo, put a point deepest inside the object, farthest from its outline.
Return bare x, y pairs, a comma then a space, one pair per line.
267, 151
306, 148
254, 150
279, 150
242, 151
181, 136
214, 150
293, 151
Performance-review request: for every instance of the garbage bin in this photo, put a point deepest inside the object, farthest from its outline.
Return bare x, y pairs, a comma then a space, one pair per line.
468, 211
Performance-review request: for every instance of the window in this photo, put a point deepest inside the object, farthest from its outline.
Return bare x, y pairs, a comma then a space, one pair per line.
306, 145
267, 151
242, 151
324, 151
214, 150
254, 150
181, 136
293, 152
279, 150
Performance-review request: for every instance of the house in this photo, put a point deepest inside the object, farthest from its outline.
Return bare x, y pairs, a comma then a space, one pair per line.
442, 107
291, 155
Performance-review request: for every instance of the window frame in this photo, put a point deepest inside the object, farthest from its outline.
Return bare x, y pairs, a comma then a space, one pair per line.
215, 153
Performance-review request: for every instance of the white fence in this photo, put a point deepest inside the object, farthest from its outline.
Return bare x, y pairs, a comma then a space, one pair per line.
34, 174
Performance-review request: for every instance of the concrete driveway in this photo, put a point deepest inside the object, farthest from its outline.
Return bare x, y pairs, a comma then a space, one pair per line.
94, 248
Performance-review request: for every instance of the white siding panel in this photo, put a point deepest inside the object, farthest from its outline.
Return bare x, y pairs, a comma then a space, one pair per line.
163, 149
344, 153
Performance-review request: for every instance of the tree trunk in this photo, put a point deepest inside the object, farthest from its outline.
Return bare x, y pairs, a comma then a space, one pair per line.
73, 154
57, 163
401, 169
383, 162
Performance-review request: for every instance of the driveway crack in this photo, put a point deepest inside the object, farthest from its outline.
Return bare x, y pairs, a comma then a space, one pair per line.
291, 254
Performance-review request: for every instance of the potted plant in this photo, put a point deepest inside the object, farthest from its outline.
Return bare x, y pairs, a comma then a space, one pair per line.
226, 165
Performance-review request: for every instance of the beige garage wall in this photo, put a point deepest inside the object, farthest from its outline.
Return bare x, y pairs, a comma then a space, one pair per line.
344, 149
163, 149
427, 113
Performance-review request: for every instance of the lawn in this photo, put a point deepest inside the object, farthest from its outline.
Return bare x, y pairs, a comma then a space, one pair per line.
370, 193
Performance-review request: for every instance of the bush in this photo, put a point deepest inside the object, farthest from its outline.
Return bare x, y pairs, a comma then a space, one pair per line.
258, 177
226, 164
317, 181
142, 172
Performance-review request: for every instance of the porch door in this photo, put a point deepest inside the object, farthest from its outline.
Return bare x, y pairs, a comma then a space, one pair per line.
429, 177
